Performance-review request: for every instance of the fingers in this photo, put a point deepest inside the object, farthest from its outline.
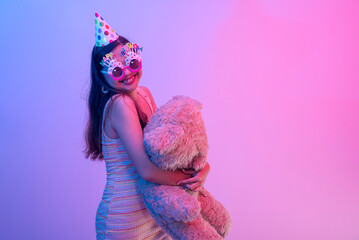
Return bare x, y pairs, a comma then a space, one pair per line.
191, 172
197, 176
188, 180
193, 179
194, 186
197, 188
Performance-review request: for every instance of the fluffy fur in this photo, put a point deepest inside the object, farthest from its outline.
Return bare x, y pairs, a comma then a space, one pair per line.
175, 138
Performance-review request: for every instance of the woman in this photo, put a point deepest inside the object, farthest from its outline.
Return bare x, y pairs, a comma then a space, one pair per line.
119, 110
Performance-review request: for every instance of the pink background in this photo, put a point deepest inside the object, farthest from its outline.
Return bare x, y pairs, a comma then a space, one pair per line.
278, 81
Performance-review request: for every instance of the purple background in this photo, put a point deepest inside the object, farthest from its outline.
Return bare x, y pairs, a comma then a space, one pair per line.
279, 86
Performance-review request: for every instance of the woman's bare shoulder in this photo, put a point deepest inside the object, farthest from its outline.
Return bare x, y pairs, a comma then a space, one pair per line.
148, 92
122, 106
144, 88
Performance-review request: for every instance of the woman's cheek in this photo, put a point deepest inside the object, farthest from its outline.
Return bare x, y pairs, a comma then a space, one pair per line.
139, 74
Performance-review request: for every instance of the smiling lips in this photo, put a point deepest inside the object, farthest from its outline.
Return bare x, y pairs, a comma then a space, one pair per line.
129, 81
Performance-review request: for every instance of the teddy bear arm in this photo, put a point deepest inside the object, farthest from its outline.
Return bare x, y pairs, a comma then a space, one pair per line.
176, 203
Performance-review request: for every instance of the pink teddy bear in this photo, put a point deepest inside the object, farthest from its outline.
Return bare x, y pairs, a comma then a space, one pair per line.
175, 138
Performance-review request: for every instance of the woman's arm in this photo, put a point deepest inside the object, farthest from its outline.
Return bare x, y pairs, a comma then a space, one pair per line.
124, 120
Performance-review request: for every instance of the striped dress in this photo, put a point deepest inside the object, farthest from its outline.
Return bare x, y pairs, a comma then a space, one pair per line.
121, 213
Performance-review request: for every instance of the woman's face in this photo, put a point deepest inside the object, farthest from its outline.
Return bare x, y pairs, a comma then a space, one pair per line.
119, 84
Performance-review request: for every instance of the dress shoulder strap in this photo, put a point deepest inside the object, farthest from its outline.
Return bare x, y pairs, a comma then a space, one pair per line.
146, 97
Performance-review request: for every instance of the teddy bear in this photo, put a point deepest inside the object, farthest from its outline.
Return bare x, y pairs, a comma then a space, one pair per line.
175, 138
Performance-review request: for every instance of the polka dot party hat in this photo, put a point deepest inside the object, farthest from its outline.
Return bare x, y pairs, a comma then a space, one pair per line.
104, 33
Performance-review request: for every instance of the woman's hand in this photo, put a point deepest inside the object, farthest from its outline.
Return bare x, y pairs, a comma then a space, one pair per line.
197, 180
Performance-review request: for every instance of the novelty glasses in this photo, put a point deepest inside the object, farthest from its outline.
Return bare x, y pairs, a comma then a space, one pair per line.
115, 68
117, 72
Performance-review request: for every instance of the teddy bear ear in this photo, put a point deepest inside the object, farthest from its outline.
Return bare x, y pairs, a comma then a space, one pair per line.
163, 139
198, 104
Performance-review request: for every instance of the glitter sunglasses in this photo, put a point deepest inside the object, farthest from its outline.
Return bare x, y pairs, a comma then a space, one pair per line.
115, 68
117, 72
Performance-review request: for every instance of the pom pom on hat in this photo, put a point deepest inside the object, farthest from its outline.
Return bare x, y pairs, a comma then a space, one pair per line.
103, 32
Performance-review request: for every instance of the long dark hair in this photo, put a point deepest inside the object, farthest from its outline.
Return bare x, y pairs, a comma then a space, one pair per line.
97, 100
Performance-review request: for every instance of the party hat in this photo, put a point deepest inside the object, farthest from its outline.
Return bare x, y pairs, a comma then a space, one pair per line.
104, 33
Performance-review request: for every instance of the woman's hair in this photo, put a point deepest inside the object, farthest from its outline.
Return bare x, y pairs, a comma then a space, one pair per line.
97, 101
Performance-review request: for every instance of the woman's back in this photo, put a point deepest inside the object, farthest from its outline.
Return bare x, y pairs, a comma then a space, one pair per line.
121, 213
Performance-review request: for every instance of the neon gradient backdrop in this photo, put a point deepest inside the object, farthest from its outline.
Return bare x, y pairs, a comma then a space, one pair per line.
279, 86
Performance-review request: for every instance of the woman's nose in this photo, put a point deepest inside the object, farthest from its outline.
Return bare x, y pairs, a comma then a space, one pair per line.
127, 72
